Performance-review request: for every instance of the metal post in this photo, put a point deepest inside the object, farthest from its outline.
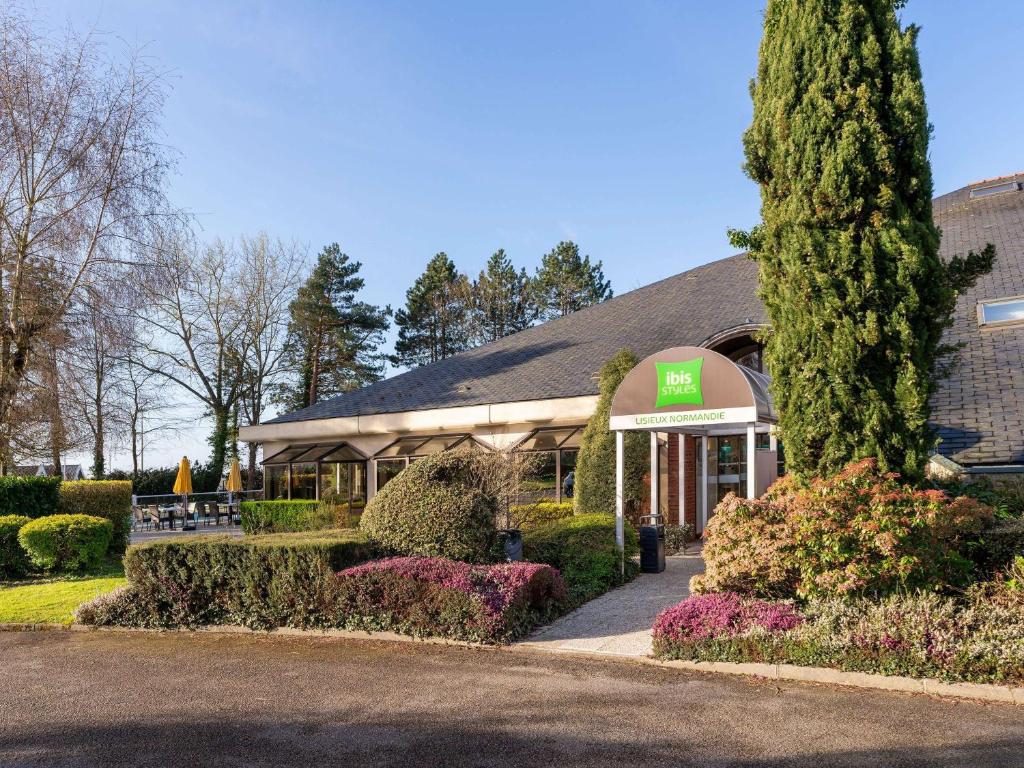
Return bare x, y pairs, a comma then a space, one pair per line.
704, 481
751, 462
558, 476
620, 533
681, 455
655, 485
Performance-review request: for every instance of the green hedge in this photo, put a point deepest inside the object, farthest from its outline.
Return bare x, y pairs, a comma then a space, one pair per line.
13, 557
284, 579
29, 496
283, 516
583, 549
1001, 543
109, 499
66, 542
525, 516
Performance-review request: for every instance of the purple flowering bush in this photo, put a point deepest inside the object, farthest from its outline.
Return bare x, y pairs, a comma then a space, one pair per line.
447, 598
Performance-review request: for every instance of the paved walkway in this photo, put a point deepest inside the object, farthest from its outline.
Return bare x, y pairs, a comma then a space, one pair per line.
139, 537
619, 622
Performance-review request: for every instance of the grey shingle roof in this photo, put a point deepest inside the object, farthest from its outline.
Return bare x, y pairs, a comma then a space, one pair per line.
978, 410
561, 358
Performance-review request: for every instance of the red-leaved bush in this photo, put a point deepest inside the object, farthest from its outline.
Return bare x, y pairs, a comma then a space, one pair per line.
860, 531
448, 598
719, 616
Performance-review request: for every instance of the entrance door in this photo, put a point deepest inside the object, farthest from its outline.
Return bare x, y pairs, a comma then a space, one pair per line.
727, 470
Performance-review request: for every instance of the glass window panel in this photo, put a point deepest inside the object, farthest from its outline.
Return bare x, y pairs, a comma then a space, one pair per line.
277, 482
994, 189
388, 469
357, 483
541, 484
546, 439
334, 482
568, 479
288, 454
303, 481
439, 444
1003, 311
405, 446
343, 452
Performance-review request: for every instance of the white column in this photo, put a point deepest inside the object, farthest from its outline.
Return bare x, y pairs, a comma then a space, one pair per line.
681, 456
558, 476
620, 533
704, 481
751, 462
371, 479
655, 485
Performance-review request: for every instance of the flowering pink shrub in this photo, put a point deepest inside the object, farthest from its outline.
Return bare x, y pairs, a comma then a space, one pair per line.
436, 596
719, 616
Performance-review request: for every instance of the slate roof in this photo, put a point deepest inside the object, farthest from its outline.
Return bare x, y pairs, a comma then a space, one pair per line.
978, 410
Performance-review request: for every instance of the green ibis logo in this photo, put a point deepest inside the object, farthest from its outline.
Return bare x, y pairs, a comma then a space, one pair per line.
679, 383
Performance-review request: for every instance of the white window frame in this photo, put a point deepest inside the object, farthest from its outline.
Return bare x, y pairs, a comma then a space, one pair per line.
998, 323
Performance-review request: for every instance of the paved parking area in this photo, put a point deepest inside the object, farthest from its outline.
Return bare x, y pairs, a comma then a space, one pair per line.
182, 700
619, 622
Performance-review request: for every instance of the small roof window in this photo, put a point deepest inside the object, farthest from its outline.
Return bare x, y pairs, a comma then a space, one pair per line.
995, 189
1001, 311
422, 445
295, 454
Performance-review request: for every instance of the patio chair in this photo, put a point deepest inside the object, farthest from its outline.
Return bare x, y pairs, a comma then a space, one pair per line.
158, 517
201, 512
139, 518
217, 513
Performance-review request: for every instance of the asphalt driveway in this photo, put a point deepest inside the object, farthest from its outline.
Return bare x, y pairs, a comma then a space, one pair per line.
101, 698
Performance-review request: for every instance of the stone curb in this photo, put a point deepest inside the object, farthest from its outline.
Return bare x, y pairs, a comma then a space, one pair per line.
1004, 694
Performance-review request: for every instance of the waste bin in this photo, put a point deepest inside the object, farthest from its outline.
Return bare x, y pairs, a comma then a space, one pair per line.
652, 547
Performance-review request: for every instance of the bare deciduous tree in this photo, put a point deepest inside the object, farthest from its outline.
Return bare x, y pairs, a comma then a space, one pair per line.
81, 179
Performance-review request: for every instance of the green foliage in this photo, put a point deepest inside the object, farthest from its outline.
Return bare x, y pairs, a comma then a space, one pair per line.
110, 499
850, 272
566, 283
434, 508
13, 557
503, 301
284, 516
159, 481
29, 496
436, 321
525, 516
332, 338
260, 581
1001, 543
595, 463
66, 542
859, 532
583, 549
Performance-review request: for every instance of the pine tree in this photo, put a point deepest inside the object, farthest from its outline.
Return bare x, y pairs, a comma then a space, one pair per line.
436, 322
566, 283
333, 339
850, 272
502, 299
595, 464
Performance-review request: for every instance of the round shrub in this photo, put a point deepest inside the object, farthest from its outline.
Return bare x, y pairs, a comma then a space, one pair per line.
434, 508
1001, 543
13, 558
66, 542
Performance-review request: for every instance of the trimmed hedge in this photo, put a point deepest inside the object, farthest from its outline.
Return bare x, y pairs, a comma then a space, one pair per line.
283, 516
66, 542
110, 499
284, 579
434, 508
1001, 543
13, 557
525, 516
29, 496
431, 596
583, 550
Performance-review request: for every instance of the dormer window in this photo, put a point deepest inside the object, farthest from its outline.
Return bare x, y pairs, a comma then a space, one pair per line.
1001, 311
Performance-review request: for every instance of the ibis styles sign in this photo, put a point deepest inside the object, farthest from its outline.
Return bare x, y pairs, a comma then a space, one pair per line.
680, 383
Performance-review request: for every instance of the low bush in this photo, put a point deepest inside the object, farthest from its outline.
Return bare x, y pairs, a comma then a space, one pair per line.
978, 637
676, 537
434, 596
29, 496
718, 616
1000, 543
525, 516
14, 560
109, 499
267, 581
434, 508
66, 542
584, 551
285, 516
860, 532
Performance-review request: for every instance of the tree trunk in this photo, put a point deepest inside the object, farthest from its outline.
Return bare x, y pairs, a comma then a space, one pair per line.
251, 471
219, 440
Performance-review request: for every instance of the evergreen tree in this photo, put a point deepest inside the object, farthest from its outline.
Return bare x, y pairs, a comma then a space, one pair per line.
502, 299
850, 272
566, 283
333, 339
436, 322
595, 464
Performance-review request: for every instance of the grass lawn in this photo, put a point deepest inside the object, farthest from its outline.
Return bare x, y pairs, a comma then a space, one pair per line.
51, 600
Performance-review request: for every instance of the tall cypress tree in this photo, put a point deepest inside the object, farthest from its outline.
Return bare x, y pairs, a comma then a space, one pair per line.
436, 321
502, 299
850, 272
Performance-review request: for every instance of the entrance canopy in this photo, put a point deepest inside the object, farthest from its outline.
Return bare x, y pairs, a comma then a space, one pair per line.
695, 391
690, 389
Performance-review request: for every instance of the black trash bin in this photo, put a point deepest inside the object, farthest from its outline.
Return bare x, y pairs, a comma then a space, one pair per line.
652, 547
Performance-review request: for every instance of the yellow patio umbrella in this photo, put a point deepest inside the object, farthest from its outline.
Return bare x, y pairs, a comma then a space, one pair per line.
234, 484
183, 487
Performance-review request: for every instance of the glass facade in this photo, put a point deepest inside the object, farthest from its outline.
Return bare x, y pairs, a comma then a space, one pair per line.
303, 481
276, 485
387, 469
313, 471
556, 449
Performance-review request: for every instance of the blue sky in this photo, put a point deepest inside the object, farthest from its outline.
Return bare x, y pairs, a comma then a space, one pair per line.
399, 129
